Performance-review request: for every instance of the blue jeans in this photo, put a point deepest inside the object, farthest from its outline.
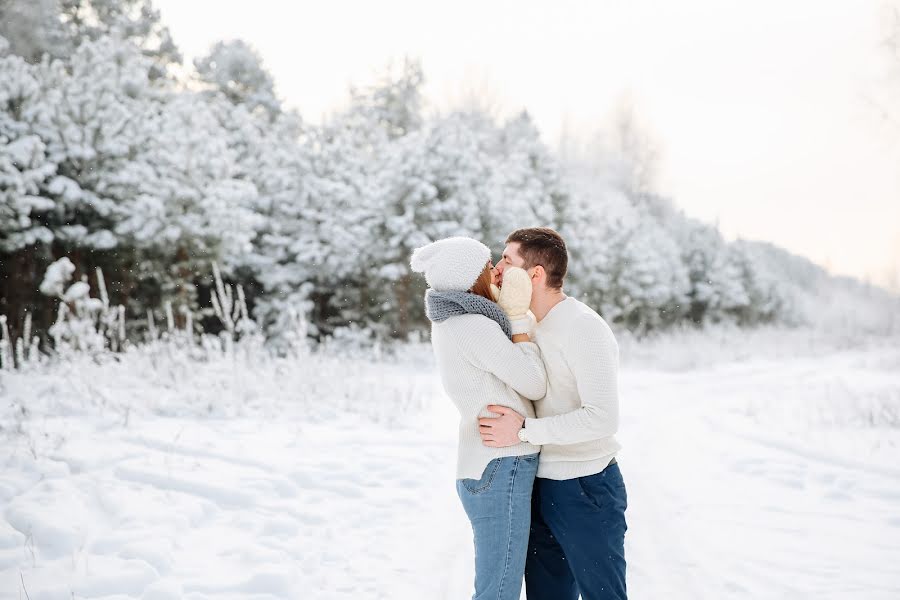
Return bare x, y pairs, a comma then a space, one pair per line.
499, 507
577, 542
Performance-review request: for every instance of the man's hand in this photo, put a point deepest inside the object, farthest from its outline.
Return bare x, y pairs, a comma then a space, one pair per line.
502, 431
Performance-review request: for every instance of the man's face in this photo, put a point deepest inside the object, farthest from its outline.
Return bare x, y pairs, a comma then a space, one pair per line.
510, 258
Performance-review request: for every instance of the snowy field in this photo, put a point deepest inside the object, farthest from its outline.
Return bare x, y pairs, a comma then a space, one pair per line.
764, 470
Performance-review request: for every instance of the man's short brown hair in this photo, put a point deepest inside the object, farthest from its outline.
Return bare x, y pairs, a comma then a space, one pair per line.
543, 246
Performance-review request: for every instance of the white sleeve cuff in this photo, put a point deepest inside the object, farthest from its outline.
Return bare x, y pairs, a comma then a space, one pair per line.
521, 325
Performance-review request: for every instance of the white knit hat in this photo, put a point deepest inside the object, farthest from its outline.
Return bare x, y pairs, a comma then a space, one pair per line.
451, 264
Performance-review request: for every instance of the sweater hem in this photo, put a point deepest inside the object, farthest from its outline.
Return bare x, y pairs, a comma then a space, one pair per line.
470, 471
561, 470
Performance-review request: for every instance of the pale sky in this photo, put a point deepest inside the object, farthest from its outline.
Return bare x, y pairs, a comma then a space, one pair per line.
763, 109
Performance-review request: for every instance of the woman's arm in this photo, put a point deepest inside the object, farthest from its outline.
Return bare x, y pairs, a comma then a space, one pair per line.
517, 365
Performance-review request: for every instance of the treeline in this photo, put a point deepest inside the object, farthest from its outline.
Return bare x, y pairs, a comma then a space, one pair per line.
113, 157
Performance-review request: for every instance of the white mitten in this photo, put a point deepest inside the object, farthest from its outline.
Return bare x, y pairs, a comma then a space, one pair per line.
515, 298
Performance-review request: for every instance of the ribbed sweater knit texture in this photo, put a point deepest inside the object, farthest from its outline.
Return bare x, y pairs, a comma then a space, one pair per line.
579, 416
479, 366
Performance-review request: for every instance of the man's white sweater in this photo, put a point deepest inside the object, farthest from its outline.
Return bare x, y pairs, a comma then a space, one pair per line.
577, 419
480, 366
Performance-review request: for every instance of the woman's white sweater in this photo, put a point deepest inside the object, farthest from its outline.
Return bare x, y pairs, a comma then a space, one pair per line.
480, 366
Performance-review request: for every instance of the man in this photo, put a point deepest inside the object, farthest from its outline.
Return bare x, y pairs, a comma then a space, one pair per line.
577, 538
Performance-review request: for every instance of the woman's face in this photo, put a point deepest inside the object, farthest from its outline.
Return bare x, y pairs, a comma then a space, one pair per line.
495, 274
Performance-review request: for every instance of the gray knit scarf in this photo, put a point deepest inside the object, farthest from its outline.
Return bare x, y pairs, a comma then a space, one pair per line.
440, 306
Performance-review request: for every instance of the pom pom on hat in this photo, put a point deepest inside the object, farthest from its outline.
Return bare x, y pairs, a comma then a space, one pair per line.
451, 264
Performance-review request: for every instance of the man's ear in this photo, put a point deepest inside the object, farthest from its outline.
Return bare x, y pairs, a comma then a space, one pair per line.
538, 272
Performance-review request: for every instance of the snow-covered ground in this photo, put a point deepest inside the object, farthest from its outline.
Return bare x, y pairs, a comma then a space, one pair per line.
753, 475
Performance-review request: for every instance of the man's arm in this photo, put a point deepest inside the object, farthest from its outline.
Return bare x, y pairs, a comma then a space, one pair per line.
593, 357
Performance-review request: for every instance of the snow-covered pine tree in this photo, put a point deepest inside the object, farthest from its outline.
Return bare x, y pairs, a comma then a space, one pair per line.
24, 164
235, 69
716, 274
33, 28
25, 168
56, 28
530, 178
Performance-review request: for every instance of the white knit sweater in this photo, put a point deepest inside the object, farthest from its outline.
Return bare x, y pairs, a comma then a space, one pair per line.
480, 366
577, 419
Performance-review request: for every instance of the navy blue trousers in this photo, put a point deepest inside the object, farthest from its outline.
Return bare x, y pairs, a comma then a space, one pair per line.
577, 539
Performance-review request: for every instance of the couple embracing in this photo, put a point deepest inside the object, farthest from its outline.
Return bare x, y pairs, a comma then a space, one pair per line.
533, 373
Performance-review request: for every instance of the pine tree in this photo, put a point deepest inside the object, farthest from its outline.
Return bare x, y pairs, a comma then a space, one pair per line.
236, 70
24, 165
56, 28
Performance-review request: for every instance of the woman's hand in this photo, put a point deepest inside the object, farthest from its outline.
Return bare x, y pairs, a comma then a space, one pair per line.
515, 298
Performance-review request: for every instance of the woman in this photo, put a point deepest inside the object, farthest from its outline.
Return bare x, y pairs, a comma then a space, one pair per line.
485, 356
